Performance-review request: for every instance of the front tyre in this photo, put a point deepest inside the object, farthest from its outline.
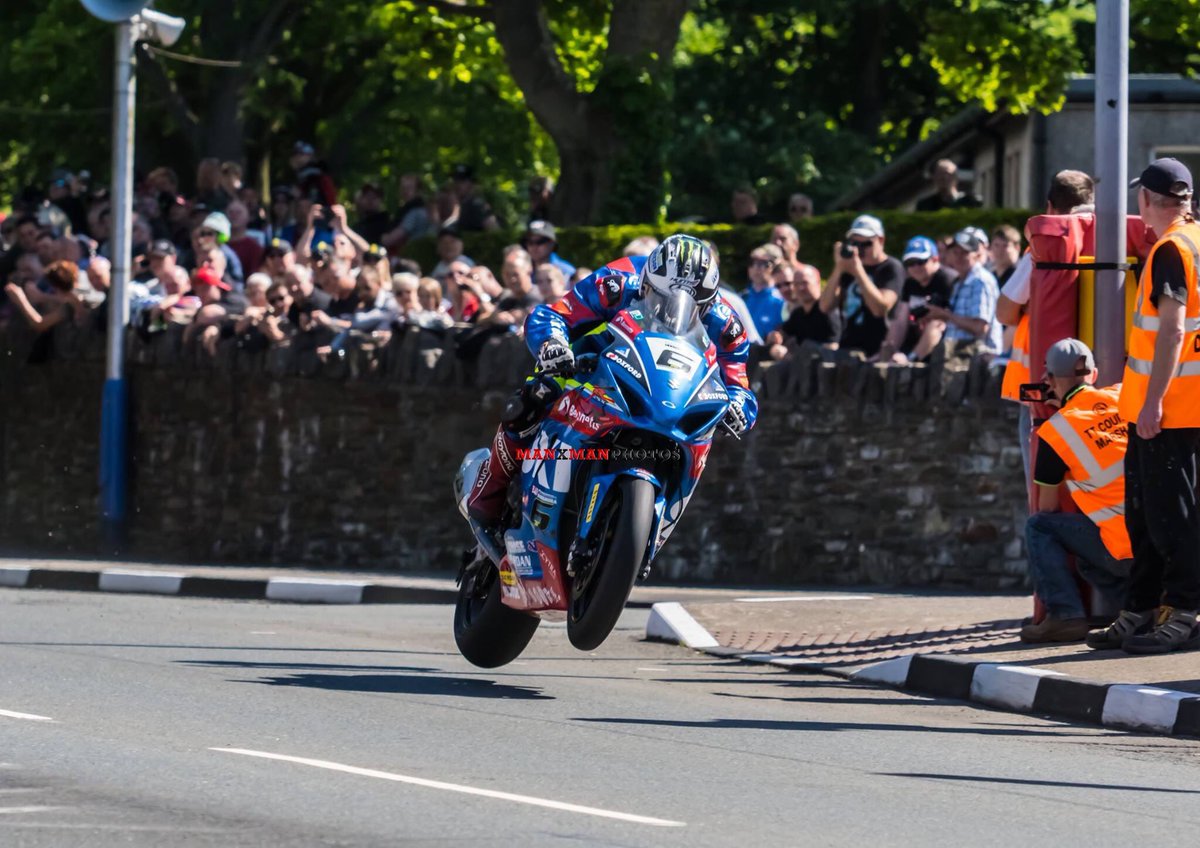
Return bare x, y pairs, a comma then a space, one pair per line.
601, 586
488, 633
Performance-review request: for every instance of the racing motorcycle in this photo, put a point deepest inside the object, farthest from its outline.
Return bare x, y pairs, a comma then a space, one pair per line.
602, 486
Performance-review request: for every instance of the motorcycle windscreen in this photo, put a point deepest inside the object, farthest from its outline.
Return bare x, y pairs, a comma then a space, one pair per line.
676, 313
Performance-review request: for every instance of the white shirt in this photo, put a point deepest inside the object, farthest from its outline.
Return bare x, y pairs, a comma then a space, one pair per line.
1017, 287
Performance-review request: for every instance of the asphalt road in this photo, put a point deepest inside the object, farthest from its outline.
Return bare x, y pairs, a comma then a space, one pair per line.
194, 722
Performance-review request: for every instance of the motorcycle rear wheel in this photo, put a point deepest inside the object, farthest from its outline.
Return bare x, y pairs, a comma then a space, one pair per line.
599, 595
488, 633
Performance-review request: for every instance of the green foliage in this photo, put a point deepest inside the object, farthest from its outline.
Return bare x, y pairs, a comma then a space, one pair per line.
594, 246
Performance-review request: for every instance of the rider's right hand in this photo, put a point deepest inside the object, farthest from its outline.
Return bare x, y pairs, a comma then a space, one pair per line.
556, 355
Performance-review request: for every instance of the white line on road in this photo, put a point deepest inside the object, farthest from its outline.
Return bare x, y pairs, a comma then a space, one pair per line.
795, 598
26, 716
455, 787
17, 810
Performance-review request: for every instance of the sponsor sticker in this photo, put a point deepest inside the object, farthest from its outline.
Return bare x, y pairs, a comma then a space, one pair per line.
592, 503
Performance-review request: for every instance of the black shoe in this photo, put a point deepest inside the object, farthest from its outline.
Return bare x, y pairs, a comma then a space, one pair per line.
1176, 630
1127, 624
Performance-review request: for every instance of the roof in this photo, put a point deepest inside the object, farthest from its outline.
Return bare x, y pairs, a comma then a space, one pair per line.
1081, 88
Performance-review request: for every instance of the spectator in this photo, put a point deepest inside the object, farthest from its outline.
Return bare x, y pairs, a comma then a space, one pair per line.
433, 302
806, 322
551, 282
641, 246
541, 195
971, 323
312, 181
318, 227
763, 300
449, 250
404, 287
475, 213
445, 206
866, 282
58, 306
306, 297
488, 286
581, 273
376, 309
912, 333
64, 193
260, 328
373, 220
231, 179
519, 293
210, 189
1093, 468
211, 237
283, 213
541, 241
800, 207
258, 225
162, 261
464, 303
206, 323
25, 230
256, 290
946, 194
249, 249
412, 218
785, 237
744, 206
278, 259
1005, 250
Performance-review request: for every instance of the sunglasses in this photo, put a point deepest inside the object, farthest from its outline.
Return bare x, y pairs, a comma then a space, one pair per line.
207, 234
912, 263
762, 263
538, 242
276, 299
861, 245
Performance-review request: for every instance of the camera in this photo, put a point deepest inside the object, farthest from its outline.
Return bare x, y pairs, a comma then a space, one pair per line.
1034, 392
848, 251
919, 312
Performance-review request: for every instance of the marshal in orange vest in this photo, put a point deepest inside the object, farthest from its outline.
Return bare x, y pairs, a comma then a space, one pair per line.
1090, 435
1181, 403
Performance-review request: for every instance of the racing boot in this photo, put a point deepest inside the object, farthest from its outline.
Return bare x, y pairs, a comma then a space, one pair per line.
486, 503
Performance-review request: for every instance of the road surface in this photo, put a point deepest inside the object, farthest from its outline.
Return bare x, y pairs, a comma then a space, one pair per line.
152, 721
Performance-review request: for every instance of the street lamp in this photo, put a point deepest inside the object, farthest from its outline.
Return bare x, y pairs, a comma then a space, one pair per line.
133, 23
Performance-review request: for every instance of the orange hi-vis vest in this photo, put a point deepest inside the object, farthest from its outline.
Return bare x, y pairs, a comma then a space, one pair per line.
1181, 403
1017, 371
1090, 435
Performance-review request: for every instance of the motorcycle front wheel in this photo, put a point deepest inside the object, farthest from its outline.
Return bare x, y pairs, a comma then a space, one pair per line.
488, 633
601, 587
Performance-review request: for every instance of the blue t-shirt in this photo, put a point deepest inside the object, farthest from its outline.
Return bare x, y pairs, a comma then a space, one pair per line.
766, 308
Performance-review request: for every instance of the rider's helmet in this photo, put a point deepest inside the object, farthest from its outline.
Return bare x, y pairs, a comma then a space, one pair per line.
682, 264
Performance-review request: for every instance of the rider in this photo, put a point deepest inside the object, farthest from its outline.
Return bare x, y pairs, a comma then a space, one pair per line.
680, 263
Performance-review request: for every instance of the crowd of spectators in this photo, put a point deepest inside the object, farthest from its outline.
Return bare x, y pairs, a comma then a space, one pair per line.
295, 268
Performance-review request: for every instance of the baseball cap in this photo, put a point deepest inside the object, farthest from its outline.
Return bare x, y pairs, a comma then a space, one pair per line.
1062, 359
971, 238
462, 172
867, 226
303, 147
450, 230
217, 221
919, 247
541, 229
206, 276
161, 247
1166, 176
278, 247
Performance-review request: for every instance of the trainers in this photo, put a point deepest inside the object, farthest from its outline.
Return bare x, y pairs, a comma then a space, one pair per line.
1127, 624
1055, 630
1176, 630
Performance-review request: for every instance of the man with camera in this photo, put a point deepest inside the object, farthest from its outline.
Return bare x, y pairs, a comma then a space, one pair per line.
1083, 445
867, 283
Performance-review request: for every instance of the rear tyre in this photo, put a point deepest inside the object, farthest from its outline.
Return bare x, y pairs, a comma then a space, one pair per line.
600, 589
488, 633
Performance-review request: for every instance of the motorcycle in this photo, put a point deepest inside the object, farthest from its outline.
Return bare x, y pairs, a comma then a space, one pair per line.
600, 489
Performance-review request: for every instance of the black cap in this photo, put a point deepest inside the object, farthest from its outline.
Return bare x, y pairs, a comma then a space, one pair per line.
162, 247
1166, 176
450, 230
462, 172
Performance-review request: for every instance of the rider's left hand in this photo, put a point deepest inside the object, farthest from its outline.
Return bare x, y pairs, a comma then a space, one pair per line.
736, 419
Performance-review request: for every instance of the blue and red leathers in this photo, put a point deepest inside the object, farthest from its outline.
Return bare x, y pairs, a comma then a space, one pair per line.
595, 300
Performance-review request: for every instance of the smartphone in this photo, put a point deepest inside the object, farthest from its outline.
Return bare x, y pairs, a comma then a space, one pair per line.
1034, 392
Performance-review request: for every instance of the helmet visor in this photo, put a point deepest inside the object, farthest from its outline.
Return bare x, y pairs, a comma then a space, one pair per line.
673, 312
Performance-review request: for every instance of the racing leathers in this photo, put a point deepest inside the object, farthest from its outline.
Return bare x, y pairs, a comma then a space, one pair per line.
595, 300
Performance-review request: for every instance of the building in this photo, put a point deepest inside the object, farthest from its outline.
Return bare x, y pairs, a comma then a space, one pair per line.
1007, 160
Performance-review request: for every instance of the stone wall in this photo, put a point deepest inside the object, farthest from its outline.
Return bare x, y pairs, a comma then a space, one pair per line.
855, 474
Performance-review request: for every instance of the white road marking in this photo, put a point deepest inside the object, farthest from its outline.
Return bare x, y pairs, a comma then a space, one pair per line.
17, 790
26, 716
800, 598
654, 669
17, 810
455, 787
262, 632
